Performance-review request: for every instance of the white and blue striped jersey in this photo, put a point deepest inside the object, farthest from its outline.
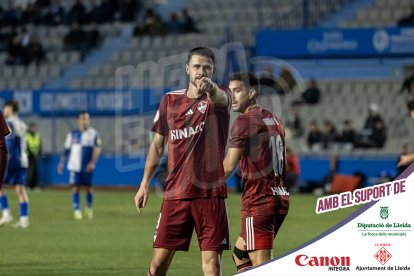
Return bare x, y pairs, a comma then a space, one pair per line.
16, 143
79, 146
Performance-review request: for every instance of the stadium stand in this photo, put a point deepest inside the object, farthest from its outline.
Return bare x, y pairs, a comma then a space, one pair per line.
380, 14
348, 85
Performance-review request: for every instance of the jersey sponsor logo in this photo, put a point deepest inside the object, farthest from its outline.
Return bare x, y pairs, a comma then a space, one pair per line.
270, 121
304, 260
202, 106
280, 191
189, 112
187, 132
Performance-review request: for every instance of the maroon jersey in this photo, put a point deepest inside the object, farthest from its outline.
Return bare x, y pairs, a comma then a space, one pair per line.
262, 137
4, 129
197, 131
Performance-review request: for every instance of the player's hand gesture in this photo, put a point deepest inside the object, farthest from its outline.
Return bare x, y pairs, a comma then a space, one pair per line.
141, 197
90, 166
205, 85
60, 168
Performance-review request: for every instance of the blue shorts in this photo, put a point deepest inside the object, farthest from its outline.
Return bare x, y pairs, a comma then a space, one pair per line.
80, 178
16, 176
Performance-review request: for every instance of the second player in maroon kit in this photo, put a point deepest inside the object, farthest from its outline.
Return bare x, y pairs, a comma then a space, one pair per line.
257, 144
194, 122
4, 131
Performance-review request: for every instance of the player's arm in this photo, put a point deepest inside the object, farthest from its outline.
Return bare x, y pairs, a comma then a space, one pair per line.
232, 159
154, 156
406, 159
65, 153
218, 96
95, 154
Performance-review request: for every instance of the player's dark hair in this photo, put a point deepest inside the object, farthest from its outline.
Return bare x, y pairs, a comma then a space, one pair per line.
201, 51
14, 105
249, 79
82, 113
410, 105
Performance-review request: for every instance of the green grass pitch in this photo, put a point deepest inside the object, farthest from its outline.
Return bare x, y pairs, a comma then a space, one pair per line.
119, 242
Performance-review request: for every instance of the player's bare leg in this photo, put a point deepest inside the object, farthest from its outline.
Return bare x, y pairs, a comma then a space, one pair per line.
211, 263
23, 200
77, 212
89, 199
161, 261
21, 193
260, 256
241, 257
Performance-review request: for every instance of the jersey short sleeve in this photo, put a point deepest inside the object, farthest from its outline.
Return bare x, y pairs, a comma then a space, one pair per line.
239, 133
68, 141
160, 124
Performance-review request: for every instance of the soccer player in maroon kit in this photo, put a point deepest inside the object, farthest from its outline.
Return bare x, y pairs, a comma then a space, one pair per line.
195, 123
4, 131
257, 144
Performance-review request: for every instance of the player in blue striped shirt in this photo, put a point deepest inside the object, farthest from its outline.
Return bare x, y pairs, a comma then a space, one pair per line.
82, 150
16, 172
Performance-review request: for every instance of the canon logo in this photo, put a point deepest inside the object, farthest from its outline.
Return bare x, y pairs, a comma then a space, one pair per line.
303, 260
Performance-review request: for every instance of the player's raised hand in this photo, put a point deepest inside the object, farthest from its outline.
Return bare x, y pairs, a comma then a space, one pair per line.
205, 85
141, 197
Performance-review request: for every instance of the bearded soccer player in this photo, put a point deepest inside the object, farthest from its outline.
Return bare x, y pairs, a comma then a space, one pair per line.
194, 122
257, 144
82, 151
4, 131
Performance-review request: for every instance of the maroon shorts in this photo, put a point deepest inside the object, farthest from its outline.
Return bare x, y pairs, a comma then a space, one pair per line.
258, 232
178, 218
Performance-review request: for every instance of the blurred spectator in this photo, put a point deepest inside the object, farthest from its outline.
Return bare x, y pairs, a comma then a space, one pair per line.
93, 37
285, 82
55, 14
312, 93
141, 28
294, 122
150, 25
292, 170
128, 10
24, 37
268, 81
77, 13
407, 20
76, 39
347, 137
157, 27
15, 53
101, 13
329, 134
314, 139
7, 36
32, 14
374, 132
35, 52
407, 149
408, 85
173, 25
13, 16
188, 23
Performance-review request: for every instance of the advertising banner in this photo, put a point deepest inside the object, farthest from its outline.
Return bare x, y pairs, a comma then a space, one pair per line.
377, 239
310, 43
